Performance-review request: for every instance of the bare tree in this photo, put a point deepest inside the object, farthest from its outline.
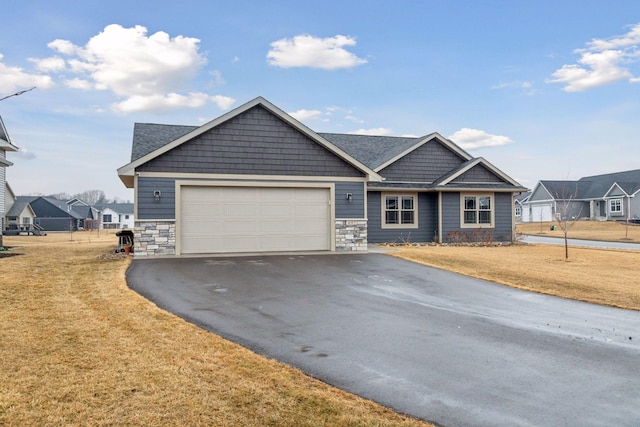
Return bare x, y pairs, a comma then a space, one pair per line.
92, 197
566, 216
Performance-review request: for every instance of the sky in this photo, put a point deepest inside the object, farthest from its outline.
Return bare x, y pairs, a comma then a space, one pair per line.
543, 90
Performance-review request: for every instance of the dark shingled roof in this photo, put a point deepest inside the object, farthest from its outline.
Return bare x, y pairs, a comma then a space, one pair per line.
594, 187
373, 151
148, 137
18, 206
122, 208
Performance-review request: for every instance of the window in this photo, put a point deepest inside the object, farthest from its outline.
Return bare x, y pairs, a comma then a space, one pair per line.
399, 211
106, 218
518, 211
126, 217
477, 210
26, 220
615, 206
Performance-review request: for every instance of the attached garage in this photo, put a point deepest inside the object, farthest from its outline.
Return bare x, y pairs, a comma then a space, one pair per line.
541, 213
242, 218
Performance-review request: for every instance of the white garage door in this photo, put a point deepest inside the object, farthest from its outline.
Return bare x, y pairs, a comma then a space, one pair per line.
254, 219
541, 213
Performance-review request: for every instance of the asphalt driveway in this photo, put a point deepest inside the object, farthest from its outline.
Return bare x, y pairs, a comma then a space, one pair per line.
426, 342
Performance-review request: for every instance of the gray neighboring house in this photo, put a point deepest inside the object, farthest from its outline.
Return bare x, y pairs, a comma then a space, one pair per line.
58, 215
257, 180
608, 197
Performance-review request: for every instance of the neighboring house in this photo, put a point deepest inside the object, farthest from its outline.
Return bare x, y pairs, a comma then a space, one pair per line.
58, 215
5, 146
116, 215
521, 215
613, 196
257, 180
19, 217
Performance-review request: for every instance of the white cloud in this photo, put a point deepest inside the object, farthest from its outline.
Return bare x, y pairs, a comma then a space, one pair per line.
24, 154
15, 79
306, 115
603, 61
49, 65
148, 71
309, 51
223, 102
78, 84
372, 131
170, 101
525, 87
469, 139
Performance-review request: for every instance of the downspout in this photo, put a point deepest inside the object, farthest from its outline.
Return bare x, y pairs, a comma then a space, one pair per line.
439, 216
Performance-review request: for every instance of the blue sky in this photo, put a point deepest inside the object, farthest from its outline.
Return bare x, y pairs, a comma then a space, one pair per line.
543, 90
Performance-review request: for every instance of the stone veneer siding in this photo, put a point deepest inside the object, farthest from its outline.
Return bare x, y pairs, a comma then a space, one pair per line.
155, 238
351, 235
159, 237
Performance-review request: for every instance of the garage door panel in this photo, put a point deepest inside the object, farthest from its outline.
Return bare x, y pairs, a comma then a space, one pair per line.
248, 219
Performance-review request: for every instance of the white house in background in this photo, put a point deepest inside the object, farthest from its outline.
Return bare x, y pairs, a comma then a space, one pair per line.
608, 197
5, 146
116, 215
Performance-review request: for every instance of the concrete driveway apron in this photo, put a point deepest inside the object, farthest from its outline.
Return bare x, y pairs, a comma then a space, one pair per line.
426, 342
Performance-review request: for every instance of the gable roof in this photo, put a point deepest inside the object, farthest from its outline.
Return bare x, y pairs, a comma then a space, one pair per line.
19, 205
594, 187
378, 152
121, 208
126, 172
61, 205
448, 178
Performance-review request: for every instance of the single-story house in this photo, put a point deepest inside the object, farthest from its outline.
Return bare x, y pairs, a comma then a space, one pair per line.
115, 215
257, 180
606, 197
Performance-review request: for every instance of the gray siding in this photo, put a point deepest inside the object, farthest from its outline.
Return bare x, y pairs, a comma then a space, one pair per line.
573, 209
427, 221
451, 218
478, 173
426, 164
540, 194
255, 143
148, 207
355, 207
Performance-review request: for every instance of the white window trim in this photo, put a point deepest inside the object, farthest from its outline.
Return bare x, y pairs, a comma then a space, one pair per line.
492, 210
616, 212
383, 210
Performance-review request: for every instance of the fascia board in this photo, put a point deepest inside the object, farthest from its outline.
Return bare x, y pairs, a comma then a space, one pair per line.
449, 144
614, 185
129, 169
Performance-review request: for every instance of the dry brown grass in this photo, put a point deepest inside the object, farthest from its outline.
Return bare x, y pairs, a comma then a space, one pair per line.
80, 348
590, 230
599, 276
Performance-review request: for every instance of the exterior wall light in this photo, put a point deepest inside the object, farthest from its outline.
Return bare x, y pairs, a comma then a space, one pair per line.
156, 195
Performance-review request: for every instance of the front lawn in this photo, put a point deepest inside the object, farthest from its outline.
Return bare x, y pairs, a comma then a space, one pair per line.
79, 347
